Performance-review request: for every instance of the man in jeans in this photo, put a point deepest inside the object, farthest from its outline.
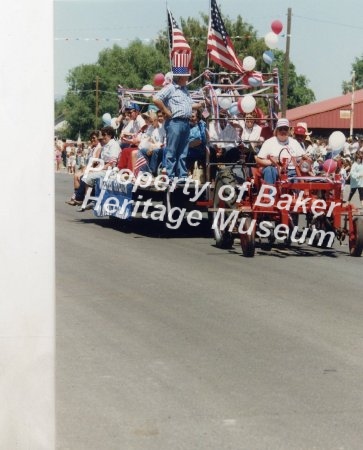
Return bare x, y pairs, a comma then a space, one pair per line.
175, 102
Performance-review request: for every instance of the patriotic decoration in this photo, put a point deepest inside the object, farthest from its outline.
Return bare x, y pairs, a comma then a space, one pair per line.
140, 164
277, 95
180, 52
181, 63
219, 45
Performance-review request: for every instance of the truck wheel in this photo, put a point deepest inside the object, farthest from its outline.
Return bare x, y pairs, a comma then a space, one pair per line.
356, 244
223, 238
247, 239
322, 224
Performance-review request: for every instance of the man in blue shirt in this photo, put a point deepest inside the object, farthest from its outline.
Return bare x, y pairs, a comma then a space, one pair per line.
175, 102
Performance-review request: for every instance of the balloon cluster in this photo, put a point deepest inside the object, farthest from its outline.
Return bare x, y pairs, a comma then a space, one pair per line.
252, 78
158, 80
271, 41
336, 144
272, 38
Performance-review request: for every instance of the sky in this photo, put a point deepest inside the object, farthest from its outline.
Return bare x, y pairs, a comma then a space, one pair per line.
326, 36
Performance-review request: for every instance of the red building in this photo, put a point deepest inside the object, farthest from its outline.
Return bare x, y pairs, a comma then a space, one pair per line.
330, 115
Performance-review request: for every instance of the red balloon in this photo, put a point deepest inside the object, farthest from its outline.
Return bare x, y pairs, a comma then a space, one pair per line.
259, 113
159, 79
329, 165
276, 26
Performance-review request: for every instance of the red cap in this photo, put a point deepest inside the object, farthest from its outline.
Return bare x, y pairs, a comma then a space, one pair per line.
300, 130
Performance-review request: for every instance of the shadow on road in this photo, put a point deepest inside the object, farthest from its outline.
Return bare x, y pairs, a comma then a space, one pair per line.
155, 229
283, 251
151, 228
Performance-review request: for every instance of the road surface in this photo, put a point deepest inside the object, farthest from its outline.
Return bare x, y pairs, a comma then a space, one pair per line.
170, 343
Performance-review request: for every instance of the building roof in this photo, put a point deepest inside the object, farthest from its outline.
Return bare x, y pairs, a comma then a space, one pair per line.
328, 113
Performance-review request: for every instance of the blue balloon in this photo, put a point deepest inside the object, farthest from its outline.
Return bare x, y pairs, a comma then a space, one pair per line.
233, 109
268, 57
254, 82
106, 118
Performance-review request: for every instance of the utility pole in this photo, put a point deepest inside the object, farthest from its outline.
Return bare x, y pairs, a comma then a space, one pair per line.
96, 113
286, 65
352, 105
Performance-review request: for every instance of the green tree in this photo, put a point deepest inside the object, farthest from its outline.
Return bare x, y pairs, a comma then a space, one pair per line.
357, 67
298, 92
132, 67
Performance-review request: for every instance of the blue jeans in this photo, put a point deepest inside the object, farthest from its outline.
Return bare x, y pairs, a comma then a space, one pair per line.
153, 160
176, 151
270, 174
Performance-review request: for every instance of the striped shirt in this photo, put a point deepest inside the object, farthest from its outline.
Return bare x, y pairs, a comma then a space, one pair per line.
177, 99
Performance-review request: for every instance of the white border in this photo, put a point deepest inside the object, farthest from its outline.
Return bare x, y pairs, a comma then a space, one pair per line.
27, 226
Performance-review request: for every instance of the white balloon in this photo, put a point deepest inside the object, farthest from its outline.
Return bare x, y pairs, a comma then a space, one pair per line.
249, 63
225, 102
248, 103
114, 124
336, 140
147, 87
271, 40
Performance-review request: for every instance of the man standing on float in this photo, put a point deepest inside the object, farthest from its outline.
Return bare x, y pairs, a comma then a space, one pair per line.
175, 102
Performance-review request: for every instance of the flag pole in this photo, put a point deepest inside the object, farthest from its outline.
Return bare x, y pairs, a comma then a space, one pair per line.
352, 105
209, 25
286, 65
168, 20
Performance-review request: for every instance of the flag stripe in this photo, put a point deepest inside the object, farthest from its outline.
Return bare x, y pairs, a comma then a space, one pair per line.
219, 45
139, 164
177, 41
219, 49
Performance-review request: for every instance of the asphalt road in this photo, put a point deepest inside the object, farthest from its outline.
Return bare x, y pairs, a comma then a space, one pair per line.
170, 343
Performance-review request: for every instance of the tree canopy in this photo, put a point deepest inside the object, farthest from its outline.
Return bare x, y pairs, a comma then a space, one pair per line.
357, 67
135, 66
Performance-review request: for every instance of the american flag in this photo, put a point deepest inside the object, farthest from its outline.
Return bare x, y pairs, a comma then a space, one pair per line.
177, 41
141, 163
219, 44
277, 95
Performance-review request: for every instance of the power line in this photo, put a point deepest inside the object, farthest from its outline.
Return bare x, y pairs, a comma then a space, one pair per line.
329, 22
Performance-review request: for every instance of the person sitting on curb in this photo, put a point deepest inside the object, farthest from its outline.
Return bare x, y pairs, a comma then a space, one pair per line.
78, 195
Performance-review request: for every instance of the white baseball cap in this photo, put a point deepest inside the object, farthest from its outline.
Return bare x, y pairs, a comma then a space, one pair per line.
282, 123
